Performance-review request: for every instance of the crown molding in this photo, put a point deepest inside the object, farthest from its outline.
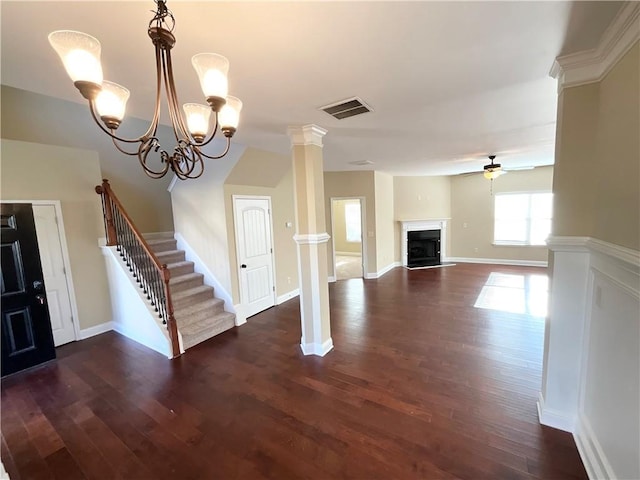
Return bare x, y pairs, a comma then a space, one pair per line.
306, 135
591, 66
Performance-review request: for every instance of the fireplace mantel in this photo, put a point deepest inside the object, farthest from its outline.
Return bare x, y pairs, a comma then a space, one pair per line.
426, 224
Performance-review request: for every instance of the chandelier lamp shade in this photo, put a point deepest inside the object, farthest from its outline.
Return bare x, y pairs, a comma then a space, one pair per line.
80, 54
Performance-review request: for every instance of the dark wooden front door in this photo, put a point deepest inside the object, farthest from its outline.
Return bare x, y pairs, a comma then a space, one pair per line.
27, 339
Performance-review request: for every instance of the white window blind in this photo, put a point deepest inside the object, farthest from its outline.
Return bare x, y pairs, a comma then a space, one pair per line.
522, 218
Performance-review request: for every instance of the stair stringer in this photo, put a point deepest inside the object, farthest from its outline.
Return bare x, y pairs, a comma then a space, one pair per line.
210, 279
132, 313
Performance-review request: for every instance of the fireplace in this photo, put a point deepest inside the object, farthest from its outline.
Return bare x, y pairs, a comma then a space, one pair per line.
431, 242
423, 248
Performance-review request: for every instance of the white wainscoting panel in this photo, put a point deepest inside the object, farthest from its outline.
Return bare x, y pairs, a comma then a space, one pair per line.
591, 376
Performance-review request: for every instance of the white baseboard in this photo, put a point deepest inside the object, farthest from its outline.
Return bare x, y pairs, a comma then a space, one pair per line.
498, 261
593, 457
379, 273
95, 330
331, 279
553, 419
241, 318
287, 296
209, 278
349, 254
320, 349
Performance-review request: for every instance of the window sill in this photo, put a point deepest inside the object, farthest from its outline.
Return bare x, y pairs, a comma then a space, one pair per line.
501, 244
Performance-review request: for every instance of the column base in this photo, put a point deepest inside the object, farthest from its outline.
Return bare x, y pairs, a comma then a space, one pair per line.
320, 349
552, 418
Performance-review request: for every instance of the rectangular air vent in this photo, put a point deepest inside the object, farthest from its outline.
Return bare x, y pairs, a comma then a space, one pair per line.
347, 108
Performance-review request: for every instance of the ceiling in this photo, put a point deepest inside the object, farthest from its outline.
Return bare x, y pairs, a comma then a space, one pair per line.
449, 82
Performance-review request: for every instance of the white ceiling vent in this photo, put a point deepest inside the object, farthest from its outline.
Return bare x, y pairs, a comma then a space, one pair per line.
362, 163
347, 108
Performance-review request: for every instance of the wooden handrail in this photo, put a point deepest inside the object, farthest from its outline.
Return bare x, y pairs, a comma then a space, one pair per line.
110, 201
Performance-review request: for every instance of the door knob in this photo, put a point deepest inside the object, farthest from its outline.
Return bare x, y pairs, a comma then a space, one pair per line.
40, 298
243, 266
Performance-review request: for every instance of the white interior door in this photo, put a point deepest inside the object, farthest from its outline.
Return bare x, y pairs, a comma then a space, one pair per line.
55, 280
255, 254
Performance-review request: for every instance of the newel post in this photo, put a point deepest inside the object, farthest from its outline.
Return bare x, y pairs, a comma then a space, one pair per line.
105, 191
171, 320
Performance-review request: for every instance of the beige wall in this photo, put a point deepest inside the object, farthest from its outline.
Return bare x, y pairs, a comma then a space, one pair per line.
31, 117
385, 222
597, 180
282, 212
42, 172
472, 204
259, 168
420, 198
617, 212
574, 189
353, 184
340, 228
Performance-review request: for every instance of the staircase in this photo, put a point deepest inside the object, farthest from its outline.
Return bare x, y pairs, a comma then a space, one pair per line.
199, 315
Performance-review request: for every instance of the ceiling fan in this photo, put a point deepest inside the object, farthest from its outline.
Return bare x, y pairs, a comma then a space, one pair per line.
493, 170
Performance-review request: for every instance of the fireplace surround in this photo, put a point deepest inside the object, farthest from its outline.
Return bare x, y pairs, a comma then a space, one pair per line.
425, 252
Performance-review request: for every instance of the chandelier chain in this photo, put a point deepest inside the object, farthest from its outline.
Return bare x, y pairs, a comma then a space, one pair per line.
161, 15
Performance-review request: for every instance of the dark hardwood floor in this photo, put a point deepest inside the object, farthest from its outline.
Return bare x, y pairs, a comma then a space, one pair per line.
420, 384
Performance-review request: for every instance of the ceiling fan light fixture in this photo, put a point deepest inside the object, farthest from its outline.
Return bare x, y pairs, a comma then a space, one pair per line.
493, 174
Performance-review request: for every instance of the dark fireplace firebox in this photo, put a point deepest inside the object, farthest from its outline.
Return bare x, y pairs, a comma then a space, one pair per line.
423, 248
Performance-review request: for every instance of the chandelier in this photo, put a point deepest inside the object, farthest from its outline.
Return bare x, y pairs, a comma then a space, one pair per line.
80, 54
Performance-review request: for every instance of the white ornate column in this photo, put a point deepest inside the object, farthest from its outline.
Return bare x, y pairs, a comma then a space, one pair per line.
311, 237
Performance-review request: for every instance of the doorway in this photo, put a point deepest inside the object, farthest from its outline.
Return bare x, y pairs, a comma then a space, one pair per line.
254, 249
349, 250
56, 269
26, 334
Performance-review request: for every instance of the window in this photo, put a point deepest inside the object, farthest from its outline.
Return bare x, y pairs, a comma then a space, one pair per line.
522, 218
352, 221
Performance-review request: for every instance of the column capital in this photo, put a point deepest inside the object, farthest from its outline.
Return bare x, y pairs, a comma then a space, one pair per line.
306, 135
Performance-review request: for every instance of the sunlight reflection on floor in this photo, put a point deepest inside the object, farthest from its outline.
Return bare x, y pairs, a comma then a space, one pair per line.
515, 293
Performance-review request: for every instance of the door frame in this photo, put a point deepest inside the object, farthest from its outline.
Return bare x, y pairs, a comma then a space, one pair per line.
235, 233
65, 257
363, 235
